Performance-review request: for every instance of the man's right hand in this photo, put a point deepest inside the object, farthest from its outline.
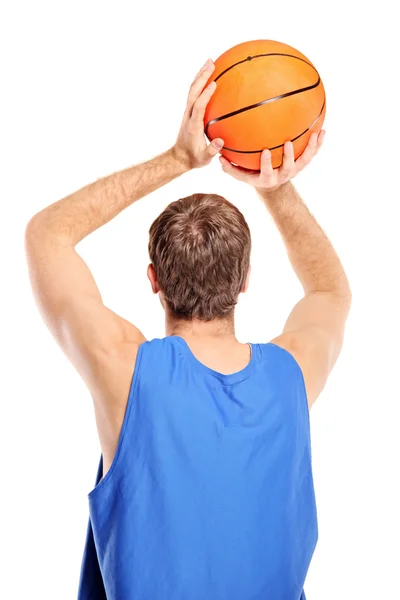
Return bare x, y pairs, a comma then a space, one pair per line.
269, 179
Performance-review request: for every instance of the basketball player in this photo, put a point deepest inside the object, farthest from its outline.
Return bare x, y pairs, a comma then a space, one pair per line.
204, 489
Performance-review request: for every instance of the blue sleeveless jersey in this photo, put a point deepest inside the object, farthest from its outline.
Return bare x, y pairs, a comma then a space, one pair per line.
210, 494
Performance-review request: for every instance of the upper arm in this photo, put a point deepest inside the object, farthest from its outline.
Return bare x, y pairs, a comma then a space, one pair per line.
71, 304
314, 334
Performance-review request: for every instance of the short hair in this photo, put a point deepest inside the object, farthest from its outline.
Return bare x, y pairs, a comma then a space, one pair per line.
200, 249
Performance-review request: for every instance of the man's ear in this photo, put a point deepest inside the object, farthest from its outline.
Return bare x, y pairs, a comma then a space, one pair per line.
246, 283
151, 274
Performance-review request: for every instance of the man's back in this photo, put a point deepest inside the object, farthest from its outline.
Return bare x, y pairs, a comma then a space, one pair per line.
210, 493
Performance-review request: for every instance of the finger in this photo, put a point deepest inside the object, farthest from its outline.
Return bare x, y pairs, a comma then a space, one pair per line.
208, 61
242, 170
239, 173
215, 147
199, 107
286, 168
266, 169
306, 157
198, 84
321, 138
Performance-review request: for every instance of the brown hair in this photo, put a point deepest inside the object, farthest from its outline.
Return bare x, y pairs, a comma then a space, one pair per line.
200, 249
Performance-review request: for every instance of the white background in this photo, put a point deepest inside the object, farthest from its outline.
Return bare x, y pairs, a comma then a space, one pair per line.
92, 87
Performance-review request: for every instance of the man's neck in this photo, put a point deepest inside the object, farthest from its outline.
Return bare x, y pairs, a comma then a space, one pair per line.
195, 329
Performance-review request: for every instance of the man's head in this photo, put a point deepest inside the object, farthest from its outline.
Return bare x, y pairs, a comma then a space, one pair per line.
200, 252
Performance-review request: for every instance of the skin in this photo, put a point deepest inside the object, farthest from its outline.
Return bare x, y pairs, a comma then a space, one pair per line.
103, 346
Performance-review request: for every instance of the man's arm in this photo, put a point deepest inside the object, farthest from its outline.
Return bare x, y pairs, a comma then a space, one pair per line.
63, 285
314, 331
102, 345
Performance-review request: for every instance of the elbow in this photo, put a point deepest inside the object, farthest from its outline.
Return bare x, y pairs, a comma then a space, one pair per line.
349, 299
342, 290
34, 230
345, 296
34, 222
347, 293
30, 230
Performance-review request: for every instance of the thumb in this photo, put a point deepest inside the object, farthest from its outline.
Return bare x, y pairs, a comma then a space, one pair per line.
215, 147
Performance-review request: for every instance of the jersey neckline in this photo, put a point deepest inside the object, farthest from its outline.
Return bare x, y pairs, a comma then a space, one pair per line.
225, 379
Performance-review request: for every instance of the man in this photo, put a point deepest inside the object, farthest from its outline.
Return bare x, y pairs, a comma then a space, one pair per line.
204, 488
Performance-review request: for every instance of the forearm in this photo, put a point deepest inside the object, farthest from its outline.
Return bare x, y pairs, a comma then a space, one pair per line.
310, 252
76, 216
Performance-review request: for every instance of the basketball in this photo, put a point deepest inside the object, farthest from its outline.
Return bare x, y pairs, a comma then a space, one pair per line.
267, 93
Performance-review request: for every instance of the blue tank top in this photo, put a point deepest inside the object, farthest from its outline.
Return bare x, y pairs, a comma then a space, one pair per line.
210, 494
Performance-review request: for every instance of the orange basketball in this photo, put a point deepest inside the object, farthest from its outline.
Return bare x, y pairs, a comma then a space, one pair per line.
267, 93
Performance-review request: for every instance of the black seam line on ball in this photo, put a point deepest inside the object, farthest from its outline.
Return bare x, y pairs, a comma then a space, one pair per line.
274, 99
249, 58
280, 145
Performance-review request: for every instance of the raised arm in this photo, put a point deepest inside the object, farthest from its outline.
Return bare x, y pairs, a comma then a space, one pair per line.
64, 287
101, 344
314, 331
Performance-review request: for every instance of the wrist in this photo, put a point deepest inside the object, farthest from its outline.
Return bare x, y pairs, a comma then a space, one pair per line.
181, 158
272, 193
